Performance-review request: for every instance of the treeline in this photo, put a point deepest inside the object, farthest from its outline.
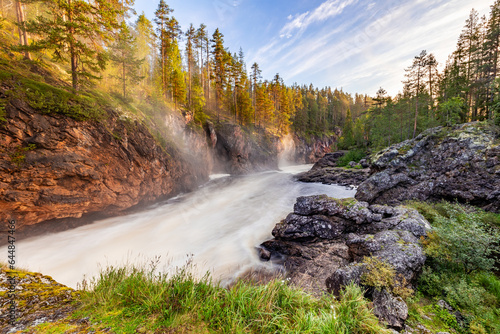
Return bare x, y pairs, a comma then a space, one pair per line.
468, 89
155, 59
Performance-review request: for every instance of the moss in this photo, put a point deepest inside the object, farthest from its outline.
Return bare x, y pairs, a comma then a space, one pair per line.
405, 149
18, 156
382, 275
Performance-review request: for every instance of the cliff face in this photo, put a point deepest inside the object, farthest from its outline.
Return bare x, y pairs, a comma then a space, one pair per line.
52, 166
240, 152
459, 163
310, 152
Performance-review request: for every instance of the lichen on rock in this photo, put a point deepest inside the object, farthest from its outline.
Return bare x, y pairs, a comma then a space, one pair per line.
327, 243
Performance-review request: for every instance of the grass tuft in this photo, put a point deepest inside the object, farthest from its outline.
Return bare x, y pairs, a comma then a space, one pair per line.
136, 299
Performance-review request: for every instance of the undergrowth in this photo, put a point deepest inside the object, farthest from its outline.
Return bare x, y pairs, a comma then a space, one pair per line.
352, 155
462, 252
130, 300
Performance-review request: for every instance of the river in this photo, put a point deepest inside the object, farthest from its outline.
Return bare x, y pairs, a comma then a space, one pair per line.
217, 227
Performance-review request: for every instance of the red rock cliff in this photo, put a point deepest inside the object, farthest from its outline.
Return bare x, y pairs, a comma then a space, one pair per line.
52, 166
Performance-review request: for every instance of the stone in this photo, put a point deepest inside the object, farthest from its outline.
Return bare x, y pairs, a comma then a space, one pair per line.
391, 310
352, 164
264, 254
364, 163
68, 168
335, 175
324, 242
455, 163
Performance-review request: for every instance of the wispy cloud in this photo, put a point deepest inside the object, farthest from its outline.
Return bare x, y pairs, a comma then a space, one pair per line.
367, 45
326, 10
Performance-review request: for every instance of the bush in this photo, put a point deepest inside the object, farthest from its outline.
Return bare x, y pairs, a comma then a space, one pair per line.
353, 155
460, 237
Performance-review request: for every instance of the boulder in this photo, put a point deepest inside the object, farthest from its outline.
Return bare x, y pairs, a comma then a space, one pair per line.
325, 243
456, 163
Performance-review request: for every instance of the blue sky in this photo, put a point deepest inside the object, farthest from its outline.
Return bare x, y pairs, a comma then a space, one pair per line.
357, 45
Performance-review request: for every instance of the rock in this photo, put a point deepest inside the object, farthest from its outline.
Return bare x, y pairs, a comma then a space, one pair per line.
364, 163
335, 175
39, 299
313, 149
445, 306
326, 172
456, 163
325, 241
264, 254
391, 310
54, 167
328, 160
352, 164
239, 152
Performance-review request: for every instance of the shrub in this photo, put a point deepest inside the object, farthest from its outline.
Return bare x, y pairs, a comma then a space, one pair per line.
382, 275
460, 237
353, 155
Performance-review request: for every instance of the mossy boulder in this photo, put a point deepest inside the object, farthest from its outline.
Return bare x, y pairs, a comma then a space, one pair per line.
459, 163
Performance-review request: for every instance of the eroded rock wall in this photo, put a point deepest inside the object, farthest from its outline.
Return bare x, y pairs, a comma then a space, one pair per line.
52, 166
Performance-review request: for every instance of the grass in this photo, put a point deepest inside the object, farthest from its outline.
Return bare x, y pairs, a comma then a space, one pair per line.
130, 300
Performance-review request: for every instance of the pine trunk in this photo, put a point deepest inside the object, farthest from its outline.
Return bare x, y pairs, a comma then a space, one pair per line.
23, 35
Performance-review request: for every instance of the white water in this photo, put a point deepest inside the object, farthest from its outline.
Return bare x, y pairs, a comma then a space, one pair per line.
219, 226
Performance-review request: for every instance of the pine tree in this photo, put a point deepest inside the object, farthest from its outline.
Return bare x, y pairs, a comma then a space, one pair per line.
162, 19
21, 24
123, 55
75, 30
414, 85
145, 40
220, 59
191, 36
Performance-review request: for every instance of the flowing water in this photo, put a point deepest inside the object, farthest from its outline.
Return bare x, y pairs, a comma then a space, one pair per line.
217, 227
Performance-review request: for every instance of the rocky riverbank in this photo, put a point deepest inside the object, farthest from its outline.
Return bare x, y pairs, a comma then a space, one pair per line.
327, 243
325, 171
457, 163
53, 166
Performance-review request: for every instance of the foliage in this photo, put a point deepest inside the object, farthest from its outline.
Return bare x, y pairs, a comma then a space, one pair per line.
461, 238
459, 268
128, 299
452, 111
352, 155
382, 275
51, 100
123, 55
72, 30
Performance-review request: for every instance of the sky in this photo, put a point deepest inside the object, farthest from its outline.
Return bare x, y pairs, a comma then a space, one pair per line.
356, 45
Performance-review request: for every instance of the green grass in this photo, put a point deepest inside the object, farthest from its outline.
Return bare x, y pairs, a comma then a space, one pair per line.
131, 299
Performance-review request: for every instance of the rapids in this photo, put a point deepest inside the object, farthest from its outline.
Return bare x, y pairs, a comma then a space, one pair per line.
216, 228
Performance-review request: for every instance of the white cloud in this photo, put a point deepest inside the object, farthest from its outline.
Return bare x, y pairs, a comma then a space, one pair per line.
326, 10
367, 49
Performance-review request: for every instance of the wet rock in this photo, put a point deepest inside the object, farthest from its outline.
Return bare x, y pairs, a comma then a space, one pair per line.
456, 163
264, 254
